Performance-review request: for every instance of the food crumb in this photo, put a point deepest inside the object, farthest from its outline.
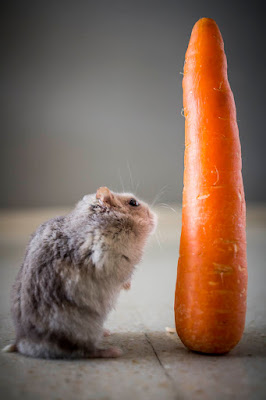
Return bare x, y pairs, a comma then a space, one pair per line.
170, 330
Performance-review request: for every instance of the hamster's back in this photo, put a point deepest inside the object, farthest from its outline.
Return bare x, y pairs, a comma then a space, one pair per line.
38, 256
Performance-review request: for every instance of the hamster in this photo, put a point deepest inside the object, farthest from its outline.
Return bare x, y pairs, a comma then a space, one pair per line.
73, 271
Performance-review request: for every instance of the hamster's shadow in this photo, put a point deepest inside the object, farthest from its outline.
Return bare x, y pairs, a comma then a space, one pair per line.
152, 345
138, 345
143, 344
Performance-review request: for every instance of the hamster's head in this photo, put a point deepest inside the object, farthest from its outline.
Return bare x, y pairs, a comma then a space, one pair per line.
126, 207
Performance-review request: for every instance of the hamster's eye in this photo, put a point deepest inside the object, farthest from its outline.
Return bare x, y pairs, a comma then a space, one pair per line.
133, 203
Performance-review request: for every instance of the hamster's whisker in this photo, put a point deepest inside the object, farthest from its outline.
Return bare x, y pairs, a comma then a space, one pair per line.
130, 176
121, 180
159, 194
158, 240
161, 236
164, 205
136, 189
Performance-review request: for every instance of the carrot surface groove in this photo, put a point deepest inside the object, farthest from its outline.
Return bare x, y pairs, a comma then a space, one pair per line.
211, 286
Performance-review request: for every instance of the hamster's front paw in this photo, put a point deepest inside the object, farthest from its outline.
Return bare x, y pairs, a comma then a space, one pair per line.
106, 332
127, 285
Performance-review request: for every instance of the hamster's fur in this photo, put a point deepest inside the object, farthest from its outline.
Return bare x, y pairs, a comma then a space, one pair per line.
73, 271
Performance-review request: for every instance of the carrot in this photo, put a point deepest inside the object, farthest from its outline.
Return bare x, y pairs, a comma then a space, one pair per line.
211, 287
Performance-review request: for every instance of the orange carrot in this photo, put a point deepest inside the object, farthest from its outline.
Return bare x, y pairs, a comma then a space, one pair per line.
211, 287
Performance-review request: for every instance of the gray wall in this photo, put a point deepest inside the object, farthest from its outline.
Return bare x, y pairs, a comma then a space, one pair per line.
92, 89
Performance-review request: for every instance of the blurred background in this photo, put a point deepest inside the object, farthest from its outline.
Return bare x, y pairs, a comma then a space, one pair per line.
91, 95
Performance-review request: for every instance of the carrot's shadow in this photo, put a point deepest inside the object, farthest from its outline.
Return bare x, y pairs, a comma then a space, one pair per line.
252, 344
137, 346
145, 345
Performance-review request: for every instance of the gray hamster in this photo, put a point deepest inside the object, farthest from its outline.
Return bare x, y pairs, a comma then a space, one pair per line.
73, 271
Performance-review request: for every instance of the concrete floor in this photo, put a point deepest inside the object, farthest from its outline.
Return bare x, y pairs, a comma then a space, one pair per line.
155, 364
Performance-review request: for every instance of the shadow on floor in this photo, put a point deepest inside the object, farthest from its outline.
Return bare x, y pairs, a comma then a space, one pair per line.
139, 345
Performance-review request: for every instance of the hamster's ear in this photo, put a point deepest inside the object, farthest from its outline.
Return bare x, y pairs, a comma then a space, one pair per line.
105, 195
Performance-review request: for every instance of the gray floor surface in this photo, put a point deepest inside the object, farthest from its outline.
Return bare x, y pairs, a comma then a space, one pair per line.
155, 364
